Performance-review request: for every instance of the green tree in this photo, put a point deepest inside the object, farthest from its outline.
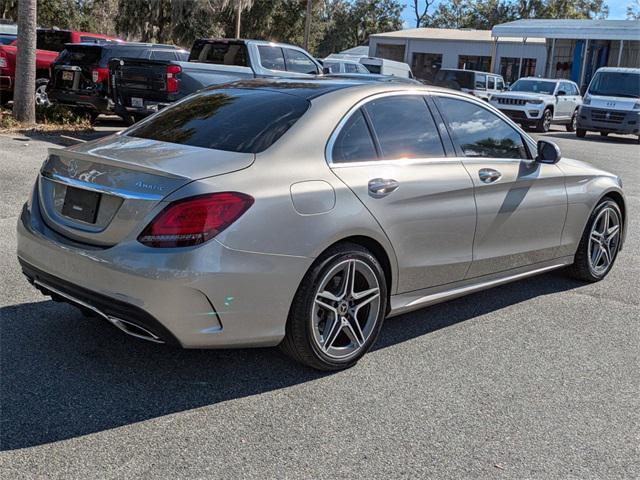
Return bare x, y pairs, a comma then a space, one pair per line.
633, 10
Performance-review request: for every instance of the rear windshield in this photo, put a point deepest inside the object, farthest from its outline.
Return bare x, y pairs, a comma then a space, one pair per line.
616, 84
455, 79
220, 53
52, 40
80, 55
233, 119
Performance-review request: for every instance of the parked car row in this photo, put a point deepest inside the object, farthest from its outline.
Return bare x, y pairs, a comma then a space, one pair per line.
49, 43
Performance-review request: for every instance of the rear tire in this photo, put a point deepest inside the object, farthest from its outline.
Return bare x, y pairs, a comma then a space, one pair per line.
599, 244
544, 124
42, 99
332, 323
581, 133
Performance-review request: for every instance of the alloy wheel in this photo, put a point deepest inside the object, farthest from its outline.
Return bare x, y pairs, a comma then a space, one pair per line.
604, 240
345, 309
546, 122
42, 99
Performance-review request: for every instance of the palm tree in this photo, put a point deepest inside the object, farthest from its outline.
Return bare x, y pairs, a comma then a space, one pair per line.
24, 102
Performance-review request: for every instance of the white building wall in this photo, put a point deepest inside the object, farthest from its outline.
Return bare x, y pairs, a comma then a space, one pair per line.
450, 50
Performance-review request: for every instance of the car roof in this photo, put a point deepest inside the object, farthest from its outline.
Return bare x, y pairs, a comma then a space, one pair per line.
619, 69
113, 44
320, 86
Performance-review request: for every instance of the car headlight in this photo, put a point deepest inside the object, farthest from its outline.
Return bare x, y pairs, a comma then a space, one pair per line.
535, 102
586, 100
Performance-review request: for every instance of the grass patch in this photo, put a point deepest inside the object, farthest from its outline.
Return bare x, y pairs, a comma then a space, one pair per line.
48, 119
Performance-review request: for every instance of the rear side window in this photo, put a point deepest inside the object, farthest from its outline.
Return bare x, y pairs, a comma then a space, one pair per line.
234, 119
298, 62
404, 127
491, 83
479, 132
271, 58
354, 143
220, 53
350, 68
481, 82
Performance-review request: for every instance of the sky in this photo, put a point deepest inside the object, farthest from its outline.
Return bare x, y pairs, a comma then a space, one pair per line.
617, 11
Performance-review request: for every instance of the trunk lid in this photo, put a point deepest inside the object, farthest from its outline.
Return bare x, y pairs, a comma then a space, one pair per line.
99, 192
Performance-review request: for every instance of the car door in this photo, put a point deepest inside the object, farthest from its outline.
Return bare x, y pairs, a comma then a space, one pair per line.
564, 100
521, 203
389, 152
574, 95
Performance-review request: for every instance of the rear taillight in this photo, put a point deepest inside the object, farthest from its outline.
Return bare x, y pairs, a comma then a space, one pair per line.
172, 80
99, 74
194, 220
3, 60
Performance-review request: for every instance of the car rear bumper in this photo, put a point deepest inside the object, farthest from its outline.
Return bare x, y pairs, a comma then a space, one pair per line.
610, 121
202, 297
93, 102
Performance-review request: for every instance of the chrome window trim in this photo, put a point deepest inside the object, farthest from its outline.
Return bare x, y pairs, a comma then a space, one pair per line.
328, 152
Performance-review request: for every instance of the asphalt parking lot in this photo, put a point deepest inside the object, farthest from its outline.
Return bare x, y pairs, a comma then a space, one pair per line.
536, 379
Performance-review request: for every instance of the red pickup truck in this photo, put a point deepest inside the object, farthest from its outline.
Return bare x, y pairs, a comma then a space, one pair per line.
49, 43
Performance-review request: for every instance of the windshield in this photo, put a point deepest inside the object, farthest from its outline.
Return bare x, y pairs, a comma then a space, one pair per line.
616, 84
52, 40
231, 119
455, 79
535, 86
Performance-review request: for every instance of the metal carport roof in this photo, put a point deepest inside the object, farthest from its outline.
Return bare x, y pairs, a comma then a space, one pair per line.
573, 29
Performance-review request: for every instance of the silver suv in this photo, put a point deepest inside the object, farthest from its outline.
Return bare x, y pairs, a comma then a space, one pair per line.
541, 102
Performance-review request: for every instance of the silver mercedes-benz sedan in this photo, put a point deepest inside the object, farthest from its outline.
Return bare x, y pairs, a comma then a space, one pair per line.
302, 213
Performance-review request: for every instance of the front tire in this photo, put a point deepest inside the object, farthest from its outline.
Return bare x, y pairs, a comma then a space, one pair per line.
581, 133
600, 243
544, 124
42, 99
571, 126
338, 309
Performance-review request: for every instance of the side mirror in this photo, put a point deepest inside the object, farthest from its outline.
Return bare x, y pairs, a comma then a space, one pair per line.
561, 93
548, 152
326, 70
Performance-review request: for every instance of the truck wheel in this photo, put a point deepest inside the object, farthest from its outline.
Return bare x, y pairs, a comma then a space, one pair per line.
544, 124
42, 100
571, 126
581, 132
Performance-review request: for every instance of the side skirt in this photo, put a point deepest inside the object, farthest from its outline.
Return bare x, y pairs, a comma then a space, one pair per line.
407, 302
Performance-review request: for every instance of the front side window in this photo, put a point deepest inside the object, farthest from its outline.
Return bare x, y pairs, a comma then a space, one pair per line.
491, 83
298, 62
230, 119
499, 84
479, 132
333, 67
404, 127
271, 58
350, 68
354, 143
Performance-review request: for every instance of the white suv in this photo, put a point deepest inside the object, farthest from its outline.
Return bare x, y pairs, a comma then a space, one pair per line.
541, 102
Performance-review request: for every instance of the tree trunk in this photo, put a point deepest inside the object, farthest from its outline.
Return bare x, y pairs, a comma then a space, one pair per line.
307, 24
24, 102
238, 17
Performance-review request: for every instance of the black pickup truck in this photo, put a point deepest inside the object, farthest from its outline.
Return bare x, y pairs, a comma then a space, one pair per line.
140, 87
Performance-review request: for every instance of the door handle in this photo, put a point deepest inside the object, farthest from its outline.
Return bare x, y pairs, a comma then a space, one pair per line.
381, 187
489, 175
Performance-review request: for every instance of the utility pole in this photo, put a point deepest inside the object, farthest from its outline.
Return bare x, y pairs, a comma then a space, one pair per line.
307, 25
24, 100
238, 16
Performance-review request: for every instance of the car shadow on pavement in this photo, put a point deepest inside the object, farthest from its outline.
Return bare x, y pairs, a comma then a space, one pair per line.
64, 376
